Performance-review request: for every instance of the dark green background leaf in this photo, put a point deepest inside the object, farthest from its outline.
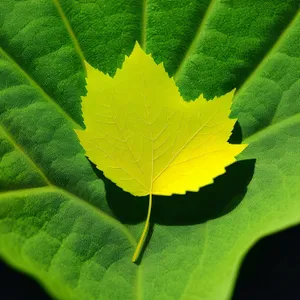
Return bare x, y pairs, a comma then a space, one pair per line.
56, 221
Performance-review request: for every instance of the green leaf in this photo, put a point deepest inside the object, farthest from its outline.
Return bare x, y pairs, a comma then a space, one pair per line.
55, 222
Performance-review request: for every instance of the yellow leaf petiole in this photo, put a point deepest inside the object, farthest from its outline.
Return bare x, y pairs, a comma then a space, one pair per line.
141, 242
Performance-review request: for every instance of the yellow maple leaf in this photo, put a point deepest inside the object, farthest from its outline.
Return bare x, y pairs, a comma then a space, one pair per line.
147, 139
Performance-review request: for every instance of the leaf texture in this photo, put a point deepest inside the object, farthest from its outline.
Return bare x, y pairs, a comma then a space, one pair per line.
146, 138
57, 233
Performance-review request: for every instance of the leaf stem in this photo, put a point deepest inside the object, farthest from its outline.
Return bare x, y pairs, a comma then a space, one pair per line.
141, 242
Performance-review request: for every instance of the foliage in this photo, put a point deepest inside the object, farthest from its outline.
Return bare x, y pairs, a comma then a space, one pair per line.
55, 221
147, 139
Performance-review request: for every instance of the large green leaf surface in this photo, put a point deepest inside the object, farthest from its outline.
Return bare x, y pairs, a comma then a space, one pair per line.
55, 221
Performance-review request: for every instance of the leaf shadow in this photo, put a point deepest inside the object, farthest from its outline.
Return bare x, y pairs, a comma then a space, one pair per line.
210, 202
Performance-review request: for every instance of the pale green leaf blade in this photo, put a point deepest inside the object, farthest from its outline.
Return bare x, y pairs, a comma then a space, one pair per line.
55, 236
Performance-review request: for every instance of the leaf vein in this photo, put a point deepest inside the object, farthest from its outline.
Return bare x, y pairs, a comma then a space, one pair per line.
70, 32
187, 142
25, 154
271, 51
193, 44
33, 83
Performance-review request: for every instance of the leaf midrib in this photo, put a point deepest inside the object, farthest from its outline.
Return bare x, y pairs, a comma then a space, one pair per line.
70, 32
184, 145
41, 91
50, 187
49, 184
55, 189
21, 150
193, 45
144, 21
269, 53
272, 127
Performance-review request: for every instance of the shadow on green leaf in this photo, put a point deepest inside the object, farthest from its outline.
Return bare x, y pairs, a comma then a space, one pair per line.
211, 201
